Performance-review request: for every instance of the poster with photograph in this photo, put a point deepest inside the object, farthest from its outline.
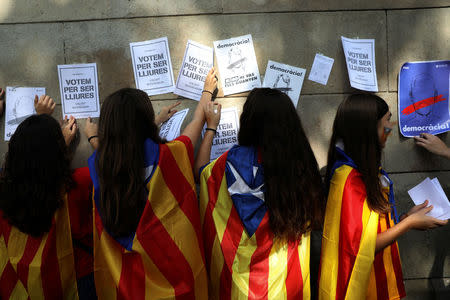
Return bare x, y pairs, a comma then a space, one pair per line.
285, 78
227, 132
152, 66
19, 106
360, 59
423, 97
197, 62
237, 64
78, 85
170, 129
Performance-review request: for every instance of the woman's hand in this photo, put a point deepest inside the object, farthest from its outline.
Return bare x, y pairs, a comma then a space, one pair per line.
2, 101
211, 81
166, 113
433, 144
44, 105
212, 114
418, 219
69, 129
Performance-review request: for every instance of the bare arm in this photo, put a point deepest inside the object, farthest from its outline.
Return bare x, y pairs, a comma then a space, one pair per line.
2, 101
194, 128
433, 144
416, 219
166, 113
212, 113
91, 132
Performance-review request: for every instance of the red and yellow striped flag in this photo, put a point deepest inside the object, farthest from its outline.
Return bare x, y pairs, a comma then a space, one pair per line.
164, 258
38, 268
350, 269
242, 266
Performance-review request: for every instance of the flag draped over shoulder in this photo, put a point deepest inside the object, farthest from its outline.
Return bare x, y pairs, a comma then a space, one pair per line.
349, 268
244, 260
163, 259
38, 267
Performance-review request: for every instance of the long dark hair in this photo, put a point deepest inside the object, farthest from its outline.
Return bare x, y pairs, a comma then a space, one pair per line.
126, 121
356, 124
35, 175
293, 187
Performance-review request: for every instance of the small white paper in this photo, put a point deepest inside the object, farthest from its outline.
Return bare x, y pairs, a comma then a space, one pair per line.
170, 129
237, 64
432, 191
78, 85
285, 78
360, 58
197, 62
227, 132
321, 69
19, 106
152, 66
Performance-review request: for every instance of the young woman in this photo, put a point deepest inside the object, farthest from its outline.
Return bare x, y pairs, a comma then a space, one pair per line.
147, 237
360, 257
258, 203
45, 222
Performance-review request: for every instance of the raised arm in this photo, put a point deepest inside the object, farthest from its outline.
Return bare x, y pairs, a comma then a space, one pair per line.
212, 114
433, 144
194, 128
166, 113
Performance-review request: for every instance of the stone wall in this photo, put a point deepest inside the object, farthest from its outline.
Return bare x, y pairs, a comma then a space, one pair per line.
36, 36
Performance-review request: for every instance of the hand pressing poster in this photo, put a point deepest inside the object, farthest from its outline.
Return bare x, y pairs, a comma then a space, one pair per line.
152, 66
170, 129
237, 64
285, 78
79, 90
197, 62
227, 132
360, 58
19, 106
423, 97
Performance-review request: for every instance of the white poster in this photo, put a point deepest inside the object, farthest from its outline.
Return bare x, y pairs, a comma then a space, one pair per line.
170, 129
285, 78
321, 69
19, 106
237, 64
79, 90
360, 58
431, 190
227, 132
197, 62
152, 66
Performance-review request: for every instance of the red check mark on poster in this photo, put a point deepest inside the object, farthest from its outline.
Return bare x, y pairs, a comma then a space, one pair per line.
421, 104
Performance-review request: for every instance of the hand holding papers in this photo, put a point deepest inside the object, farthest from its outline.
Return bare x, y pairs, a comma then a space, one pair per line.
431, 190
170, 129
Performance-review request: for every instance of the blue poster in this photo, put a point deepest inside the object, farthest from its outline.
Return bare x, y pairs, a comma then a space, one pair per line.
423, 97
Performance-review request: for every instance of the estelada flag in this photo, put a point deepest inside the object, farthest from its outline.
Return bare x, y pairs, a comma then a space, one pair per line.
38, 267
163, 259
349, 268
243, 258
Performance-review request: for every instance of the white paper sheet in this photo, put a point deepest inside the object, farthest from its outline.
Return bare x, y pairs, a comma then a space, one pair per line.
227, 131
237, 64
19, 106
432, 191
152, 66
360, 58
285, 78
321, 69
170, 129
197, 62
78, 85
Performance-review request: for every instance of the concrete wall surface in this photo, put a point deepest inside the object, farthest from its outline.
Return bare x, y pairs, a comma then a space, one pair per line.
36, 36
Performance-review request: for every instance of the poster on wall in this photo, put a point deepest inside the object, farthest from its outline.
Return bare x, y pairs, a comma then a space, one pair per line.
360, 59
78, 85
285, 78
321, 69
237, 64
197, 62
19, 106
423, 97
170, 129
152, 66
227, 132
